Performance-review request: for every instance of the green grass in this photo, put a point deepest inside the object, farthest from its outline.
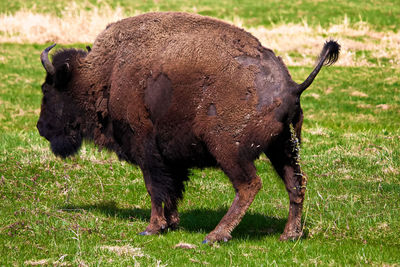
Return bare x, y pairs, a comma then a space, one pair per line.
381, 14
65, 211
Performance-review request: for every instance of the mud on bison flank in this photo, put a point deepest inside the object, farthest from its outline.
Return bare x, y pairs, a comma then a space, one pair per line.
172, 91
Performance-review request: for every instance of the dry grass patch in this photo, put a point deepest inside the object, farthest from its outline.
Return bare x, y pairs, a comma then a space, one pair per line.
319, 131
313, 95
127, 250
363, 118
37, 262
185, 245
383, 106
364, 106
360, 94
76, 25
353, 38
391, 170
361, 46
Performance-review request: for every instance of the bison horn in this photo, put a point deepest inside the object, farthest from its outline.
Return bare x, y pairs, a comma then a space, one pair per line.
44, 57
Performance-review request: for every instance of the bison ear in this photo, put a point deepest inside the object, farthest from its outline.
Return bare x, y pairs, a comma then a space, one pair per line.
63, 75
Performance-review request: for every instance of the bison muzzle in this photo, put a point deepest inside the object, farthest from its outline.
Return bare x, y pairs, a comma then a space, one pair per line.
173, 91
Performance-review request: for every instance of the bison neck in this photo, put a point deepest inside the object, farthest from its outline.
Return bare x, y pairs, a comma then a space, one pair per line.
92, 93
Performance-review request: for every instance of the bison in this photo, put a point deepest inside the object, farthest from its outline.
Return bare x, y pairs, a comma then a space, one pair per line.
173, 91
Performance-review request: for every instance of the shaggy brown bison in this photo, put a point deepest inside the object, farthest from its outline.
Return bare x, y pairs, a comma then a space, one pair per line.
173, 91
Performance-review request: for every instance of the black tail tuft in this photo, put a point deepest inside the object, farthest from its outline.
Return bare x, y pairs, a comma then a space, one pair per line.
333, 49
329, 55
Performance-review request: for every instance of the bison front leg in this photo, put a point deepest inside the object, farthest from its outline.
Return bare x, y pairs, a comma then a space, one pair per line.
158, 223
165, 185
176, 187
247, 184
284, 156
172, 215
162, 218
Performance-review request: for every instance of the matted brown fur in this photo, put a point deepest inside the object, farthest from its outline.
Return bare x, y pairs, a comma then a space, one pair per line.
171, 91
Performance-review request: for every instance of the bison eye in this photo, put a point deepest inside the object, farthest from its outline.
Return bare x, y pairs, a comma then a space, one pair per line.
45, 89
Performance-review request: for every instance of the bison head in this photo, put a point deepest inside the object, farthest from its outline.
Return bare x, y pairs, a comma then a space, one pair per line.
60, 117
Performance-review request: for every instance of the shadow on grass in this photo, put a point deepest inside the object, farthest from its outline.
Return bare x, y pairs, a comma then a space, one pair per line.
252, 226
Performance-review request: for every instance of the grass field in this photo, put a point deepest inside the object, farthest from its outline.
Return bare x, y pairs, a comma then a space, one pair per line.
381, 14
87, 210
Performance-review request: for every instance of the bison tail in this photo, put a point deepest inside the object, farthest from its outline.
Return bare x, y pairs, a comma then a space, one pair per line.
329, 55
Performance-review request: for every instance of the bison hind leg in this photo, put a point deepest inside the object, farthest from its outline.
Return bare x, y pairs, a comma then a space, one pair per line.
246, 183
285, 157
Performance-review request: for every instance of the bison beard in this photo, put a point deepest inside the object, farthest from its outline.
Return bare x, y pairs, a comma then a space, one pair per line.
173, 91
65, 146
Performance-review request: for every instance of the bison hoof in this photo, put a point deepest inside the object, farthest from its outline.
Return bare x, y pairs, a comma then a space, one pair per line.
152, 231
173, 227
291, 236
212, 238
173, 224
144, 233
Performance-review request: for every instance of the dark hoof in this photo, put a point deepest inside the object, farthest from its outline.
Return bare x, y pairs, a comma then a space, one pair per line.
144, 233
291, 236
217, 238
172, 227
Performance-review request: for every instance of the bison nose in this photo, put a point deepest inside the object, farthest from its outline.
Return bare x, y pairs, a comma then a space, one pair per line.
40, 127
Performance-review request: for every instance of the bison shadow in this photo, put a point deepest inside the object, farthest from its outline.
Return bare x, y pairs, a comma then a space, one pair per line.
254, 225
